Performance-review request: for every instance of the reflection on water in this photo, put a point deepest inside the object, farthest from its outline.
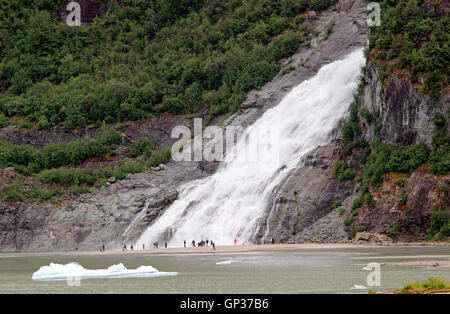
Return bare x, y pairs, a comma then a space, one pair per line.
306, 271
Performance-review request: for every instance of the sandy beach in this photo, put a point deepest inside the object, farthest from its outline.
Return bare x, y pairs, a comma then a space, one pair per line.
260, 248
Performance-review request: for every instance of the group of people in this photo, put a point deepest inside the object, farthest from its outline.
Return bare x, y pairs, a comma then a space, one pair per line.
202, 243
124, 248
155, 245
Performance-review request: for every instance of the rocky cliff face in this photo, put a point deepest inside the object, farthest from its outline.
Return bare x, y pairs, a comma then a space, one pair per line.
403, 212
405, 114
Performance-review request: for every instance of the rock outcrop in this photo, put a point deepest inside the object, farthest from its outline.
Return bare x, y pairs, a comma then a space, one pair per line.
405, 114
100, 216
366, 237
407, 219
305, 197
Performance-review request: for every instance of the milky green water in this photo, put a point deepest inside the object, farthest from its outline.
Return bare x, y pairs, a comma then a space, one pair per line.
306, 271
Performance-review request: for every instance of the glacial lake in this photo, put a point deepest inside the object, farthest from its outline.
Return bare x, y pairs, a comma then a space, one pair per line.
303, 271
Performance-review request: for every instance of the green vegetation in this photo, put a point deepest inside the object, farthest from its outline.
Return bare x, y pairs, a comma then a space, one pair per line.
356, 204
80, 176
394, 230
328, 31
341, 211
287, 70
413, 37
16, 192
28, 160
349, 221
443, 188
342, 172
403, 197
385, 158
141, 145
141, 58
439, 225
336, 204
432, 284
400, 182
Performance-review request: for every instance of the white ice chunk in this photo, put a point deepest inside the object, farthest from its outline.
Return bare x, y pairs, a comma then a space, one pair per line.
75, 270
225, 263
359, 287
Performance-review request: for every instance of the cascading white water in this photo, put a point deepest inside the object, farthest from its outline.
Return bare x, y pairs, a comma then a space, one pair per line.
228, 204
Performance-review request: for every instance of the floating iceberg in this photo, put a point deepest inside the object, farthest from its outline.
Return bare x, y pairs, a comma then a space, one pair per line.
358, 287
225, 263
75, 270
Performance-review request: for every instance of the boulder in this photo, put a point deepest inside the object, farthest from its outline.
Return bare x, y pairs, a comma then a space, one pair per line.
371, 237
312, 15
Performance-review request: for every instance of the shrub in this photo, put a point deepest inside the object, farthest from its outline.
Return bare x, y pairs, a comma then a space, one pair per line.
432, 283
400, 182
4, 121
349, 221
356, 204
28, 160
140, 145
403, 197
439, 224
394, 230
369, 199
337, 203
342, 173
440, 160
13, 192
159, 157
385, 158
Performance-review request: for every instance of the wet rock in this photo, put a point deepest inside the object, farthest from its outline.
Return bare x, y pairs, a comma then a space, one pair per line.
305, 197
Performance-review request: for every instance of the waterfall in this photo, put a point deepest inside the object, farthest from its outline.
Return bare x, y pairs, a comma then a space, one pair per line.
228, 204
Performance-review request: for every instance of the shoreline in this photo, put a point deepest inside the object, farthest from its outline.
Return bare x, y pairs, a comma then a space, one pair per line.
224, 249
239, 248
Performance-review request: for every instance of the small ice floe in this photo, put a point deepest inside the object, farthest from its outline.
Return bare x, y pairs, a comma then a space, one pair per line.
75, 270
225, 263
359, 287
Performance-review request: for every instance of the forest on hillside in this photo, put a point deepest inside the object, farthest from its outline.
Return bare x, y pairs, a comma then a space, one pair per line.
141, 58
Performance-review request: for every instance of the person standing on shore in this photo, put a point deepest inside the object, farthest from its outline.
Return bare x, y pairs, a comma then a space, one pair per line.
184, 243
235, 241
